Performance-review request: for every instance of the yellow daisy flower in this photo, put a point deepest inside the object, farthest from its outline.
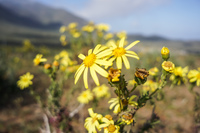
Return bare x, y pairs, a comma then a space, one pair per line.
153, 71
168, 66
102, 27
38, 59
101, 91
25, 81
85, 97
109, 126
92, 61
115, 104
194, 76
92, 122
179, 75
120, 53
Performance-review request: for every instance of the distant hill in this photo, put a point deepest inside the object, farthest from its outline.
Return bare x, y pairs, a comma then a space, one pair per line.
133, 37
6, 15
42, 13
23, 19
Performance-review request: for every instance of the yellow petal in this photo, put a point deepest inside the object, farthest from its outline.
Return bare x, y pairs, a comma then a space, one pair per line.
103, 62
81, 56
89, 51
100, 70
81, 67
78, 74
131, 52
121, 42
119, 62
132, 44
133, 56
94, 76
96, 49
126, 62
104, 53
90, 110
85, 77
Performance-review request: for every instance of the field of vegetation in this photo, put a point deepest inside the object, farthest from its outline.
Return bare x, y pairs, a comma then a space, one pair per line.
47, 100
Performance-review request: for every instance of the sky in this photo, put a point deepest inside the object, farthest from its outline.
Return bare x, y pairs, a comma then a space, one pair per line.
173, 19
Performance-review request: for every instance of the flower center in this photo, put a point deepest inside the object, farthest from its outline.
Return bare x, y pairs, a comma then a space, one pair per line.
111, 128
89, 60
198, 76
85, 95
119, 52
94, 119
168, 64
25, 79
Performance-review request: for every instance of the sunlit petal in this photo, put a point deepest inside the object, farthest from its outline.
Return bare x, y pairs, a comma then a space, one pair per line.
81, 56
100, 70
132, 44
77, 76
129, 55
85, 77
121, 42
103, 62
119, 62
126, 62
96, 49
94, 76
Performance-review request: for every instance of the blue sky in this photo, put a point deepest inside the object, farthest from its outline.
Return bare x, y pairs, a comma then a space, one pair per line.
174, 19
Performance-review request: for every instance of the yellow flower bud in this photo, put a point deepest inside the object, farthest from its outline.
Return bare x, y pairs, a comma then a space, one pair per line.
56, 63
165, 53
47, 66
168, 66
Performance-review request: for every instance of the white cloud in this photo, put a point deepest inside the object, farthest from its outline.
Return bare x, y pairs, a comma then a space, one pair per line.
105, 9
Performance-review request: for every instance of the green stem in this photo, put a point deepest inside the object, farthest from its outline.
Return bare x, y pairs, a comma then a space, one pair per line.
135, 85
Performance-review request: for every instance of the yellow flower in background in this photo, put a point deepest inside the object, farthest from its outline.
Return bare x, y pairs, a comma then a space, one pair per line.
92, 61
108, 36
93, 122
76, 34
132, 82
38, 59
121, 34
153, 71
110, 43
109, 126
115, 104
194, 76
102, 27
168, 66
120, 53
149, 85
25, 81
88, 28
101, 91
85, 97
179, 75
62, 29
62, 38
181, 72
72, 25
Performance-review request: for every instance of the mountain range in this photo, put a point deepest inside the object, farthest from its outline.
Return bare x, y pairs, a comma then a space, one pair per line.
24, 19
